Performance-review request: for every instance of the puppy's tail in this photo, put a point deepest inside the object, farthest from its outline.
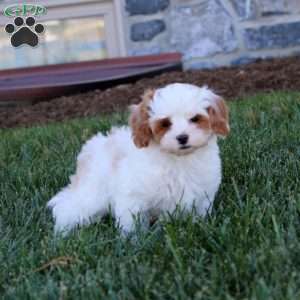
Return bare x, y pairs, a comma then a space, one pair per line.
64, 210
85, 196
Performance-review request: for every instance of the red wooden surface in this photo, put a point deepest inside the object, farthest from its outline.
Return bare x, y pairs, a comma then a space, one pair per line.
38, 83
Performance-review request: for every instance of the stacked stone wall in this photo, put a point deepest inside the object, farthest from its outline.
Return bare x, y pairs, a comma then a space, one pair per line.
212, 33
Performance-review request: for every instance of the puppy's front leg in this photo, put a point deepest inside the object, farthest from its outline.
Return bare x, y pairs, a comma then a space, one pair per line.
127, 218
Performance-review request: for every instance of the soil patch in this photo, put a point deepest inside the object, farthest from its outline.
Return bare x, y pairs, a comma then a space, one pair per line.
232, 83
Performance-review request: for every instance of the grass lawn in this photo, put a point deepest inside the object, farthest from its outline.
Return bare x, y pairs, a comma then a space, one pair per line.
248, 249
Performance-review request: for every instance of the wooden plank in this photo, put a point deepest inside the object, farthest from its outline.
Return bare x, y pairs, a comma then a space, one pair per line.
41, 83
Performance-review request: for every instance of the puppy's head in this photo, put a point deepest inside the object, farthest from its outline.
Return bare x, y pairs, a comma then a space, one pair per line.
180, 118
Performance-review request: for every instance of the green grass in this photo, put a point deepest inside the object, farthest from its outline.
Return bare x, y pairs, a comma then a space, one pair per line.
248, 249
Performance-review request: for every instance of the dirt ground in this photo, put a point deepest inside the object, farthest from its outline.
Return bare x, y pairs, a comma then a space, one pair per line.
231, 83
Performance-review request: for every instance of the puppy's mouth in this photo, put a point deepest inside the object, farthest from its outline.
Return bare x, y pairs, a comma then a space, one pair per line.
181, 150
184, 147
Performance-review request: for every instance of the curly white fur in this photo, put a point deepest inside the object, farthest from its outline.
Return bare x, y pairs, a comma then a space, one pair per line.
116, 174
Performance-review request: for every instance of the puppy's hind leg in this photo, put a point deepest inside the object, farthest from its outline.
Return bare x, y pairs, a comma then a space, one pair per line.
85, 197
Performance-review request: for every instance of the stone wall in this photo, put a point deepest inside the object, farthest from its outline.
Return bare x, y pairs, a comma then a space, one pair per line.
212, 33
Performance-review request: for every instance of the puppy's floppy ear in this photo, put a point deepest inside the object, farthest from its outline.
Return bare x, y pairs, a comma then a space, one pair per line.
139, 121
219, 116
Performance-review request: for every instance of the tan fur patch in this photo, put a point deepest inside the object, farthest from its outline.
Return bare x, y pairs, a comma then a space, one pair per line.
203, 122
139, 121
219, 117
160, 128
82, 169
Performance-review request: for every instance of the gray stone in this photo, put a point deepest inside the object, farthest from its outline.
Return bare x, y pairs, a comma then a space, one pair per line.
146, 7
245, 9
293, 6
146, 31
273, 7
279, 7
201, 30
273, 36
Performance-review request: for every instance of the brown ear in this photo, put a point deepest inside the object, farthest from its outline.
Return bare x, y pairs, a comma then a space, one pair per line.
219, 117
139, 121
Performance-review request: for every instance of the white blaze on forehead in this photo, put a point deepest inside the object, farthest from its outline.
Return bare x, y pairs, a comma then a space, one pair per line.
180, 99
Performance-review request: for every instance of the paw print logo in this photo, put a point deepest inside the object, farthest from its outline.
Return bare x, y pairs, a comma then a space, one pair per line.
24, 33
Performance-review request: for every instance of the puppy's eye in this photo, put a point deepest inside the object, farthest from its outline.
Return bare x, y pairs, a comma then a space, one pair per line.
165, 123
195, 119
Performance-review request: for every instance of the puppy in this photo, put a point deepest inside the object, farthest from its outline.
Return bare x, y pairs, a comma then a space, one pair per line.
169, 156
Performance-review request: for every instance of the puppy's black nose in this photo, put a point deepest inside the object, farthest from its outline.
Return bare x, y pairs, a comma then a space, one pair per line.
182, 139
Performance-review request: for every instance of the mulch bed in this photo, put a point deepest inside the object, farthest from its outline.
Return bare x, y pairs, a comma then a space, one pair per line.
231, 83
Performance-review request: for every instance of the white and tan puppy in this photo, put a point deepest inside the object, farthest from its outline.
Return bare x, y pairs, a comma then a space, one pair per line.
167, 157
